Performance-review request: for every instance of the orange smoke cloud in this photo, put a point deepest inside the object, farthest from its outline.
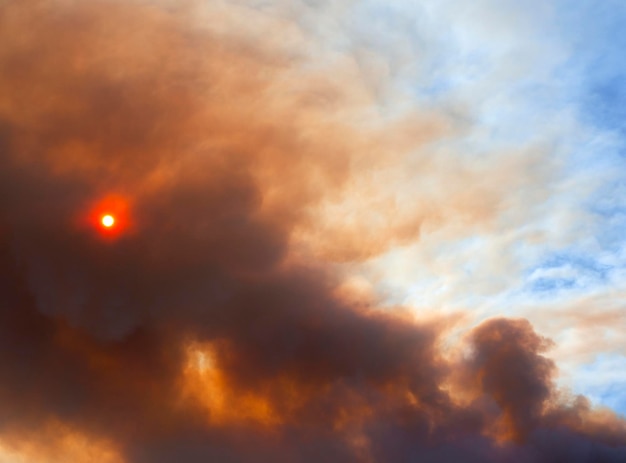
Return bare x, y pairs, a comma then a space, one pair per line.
56, 442
225, 405
211, 328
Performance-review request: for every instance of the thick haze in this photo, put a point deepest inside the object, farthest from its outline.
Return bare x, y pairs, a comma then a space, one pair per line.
262, 168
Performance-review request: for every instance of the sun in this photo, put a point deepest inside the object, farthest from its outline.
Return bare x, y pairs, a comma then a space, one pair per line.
108, 220
109, 216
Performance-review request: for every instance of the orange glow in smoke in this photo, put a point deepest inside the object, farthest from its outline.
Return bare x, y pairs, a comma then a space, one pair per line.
57, 442
204, 382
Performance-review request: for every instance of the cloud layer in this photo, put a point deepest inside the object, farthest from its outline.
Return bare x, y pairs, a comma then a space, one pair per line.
215, 325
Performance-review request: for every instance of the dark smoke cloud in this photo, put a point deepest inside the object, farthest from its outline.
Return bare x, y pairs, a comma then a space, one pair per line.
194, 335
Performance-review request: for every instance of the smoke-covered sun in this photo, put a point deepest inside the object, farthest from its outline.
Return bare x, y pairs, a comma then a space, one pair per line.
108, 221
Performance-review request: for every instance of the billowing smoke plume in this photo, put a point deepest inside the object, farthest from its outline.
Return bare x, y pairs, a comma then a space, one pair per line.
208, 328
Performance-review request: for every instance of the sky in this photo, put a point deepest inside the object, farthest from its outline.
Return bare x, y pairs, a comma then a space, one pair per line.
344, 231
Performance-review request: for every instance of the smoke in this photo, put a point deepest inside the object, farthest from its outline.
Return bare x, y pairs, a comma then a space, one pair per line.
212, 327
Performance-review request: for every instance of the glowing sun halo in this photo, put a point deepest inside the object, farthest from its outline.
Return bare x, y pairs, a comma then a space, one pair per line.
108, 220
